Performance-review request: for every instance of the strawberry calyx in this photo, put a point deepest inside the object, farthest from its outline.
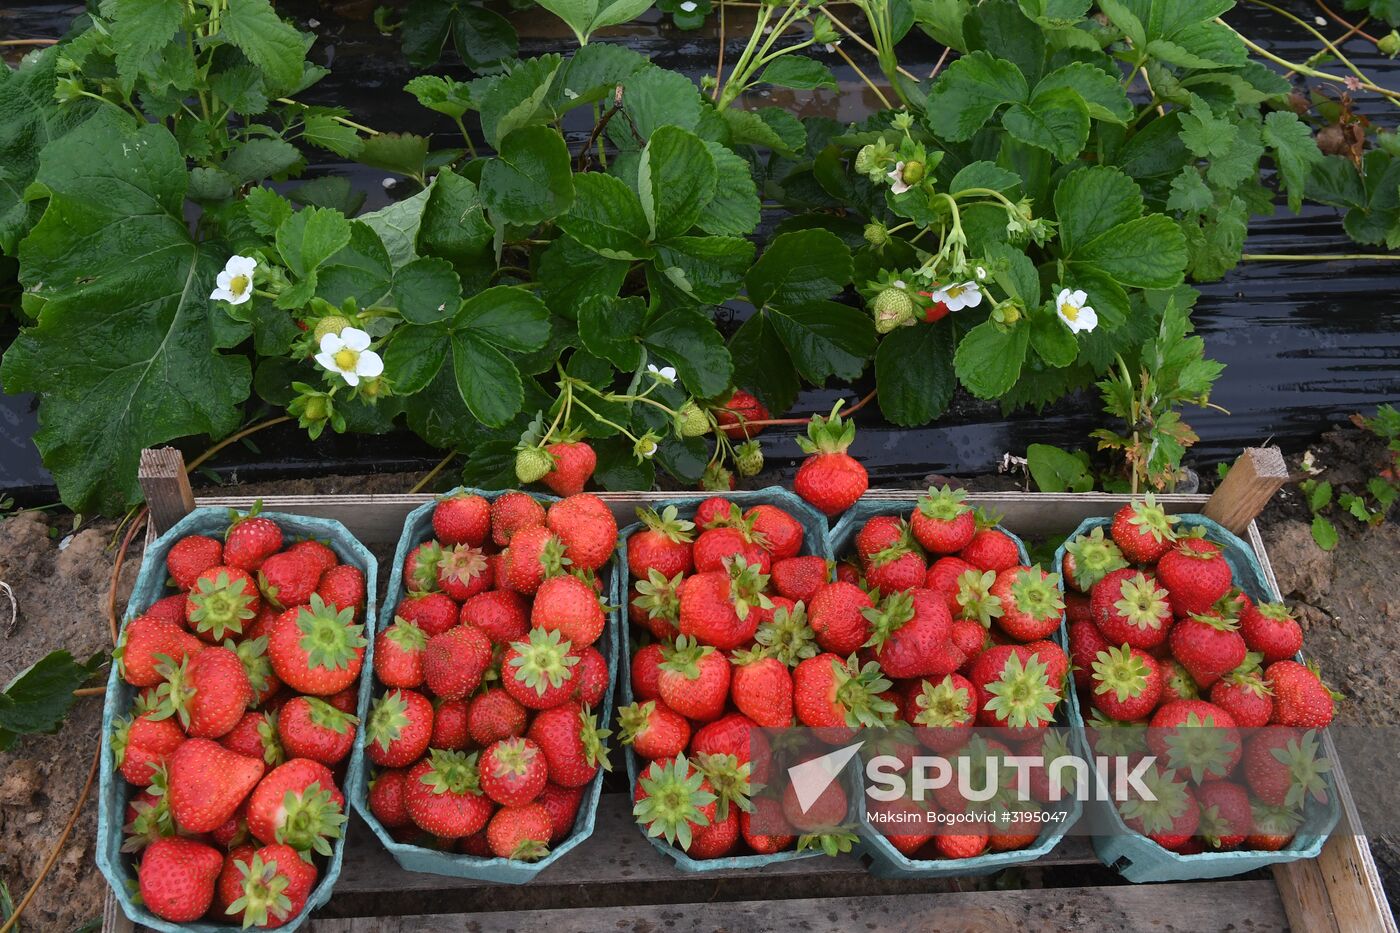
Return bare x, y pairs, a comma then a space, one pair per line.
1151, 519
675, 795
788, 636
658, 596
716, 478
1201, 748
553, 558
1022, 695
944, 505
1214, 827
329, 635
326, 716
426, 558
221, 605
976, 599
746, 586
829, 435
1217, 622
462, 564
1114, 737
729, 779
594, 739
1305, 769
406, 635
1095, 557
859, 693
253, 654
1142, 603
1249, 677
943, 705
892, 614
1197, 548
1037, 594
273, 753
1275, 612
833, 843
633, 720
530, 850
684, 657
1270, 820
1158, 815
236, 518
513, 757
121, 737
173, 696
452, 772
1179, 681
543, 660
152, 820
310, 819
264, 893
388, 718
1121, 672
668, 523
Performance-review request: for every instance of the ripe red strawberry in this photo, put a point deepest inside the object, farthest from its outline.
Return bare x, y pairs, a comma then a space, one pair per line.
1300, 697
1245, 696
177, 878
1131, 609
494, 715
1089, 558
1085, 643
275, 884
319, 553
443, 795
538, 670
735, 413
969, 637
830, 479
221, 602
1271, 630
520, 832
146, 641
693, 679
800, 577
310, 727
450, 725
1283, 767
229, 885
910, 635
1171, 818
835, 695
316, 649
653, 729
141, 746
288, 579
590, 677
513, 771
463, 572
398, 654
723, 608
765, 829
250, 540
535, 553
1196, 738
761, 686
991, 549
1031, 605
1195, 574
942, 711
718, 839
1125, 683
1013, 688
190, 557
511, 512
386, 797
298, 804
715, 546
562, 804
646, 671
836, 614
1271, 828
169, 609
569, 606
662, 545
503, 615
1225, 814
1143, 531
897, 568
572, 743
462, 518
434, 613
208, 692
343, 586
1207, 646
960, 845
256, 736
942, 522
454, 662
655, 604
420, 568
880, 533
1055, 660
779, 533
942, 577
574, 463
717, 512
208, 783
673, 800
826, 814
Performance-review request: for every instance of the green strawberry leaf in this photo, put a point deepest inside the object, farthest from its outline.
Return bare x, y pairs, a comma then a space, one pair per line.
37, 700
800, 72
988, 359
585, 17
608, 218
914, 373
530, 180
675, 181
275, 47
805, 265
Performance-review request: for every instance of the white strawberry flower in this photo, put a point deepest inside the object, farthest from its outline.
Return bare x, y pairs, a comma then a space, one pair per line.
1072, 309
235, 283
980, 272
666, 374
897, 176
957, 297
348, 354
689, 6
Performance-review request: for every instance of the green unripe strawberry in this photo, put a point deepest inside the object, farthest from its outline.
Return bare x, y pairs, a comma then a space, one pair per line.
893, 309
330, 324
532, 464
876, 233
691, 420
748, 458
913, 173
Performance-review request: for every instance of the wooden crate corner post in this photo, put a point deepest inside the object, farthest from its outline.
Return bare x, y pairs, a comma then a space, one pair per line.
167, 486
1247, 488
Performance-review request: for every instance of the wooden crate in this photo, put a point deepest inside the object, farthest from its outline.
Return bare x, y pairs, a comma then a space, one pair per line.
616, 880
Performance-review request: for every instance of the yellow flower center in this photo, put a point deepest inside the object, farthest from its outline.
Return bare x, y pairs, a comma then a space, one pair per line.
346, 359
1069, 312
954, 291
239, 284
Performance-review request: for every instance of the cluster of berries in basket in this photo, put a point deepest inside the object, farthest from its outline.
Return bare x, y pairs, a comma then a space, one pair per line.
243, 724
1176, 661
482, 734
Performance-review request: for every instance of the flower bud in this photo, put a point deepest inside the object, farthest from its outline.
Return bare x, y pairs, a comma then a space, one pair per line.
532, 463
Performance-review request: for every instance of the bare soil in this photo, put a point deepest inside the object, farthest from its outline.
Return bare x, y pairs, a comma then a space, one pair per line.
1348, 601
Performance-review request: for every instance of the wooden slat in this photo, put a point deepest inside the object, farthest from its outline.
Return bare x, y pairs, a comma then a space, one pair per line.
166, 486
1189, 908
1247, 488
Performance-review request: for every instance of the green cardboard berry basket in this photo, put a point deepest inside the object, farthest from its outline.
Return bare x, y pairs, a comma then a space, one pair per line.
1136, 857
815, 542
113, 793
889, 862
417, 529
